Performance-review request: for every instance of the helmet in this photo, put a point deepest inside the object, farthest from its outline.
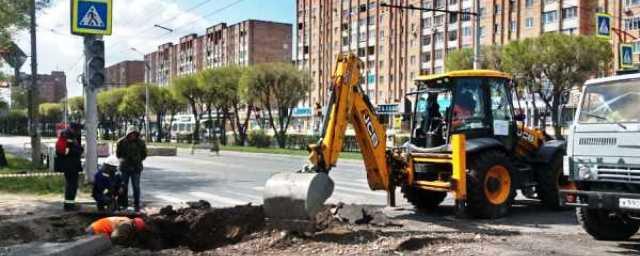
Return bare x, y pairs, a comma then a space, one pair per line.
112, 161
138, 224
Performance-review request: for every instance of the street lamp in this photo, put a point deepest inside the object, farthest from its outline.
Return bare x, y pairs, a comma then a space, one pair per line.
146, 96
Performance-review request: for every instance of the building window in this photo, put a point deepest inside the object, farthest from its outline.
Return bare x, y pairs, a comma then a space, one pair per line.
570, 13
453, 1
629, 3
453, 35
438, 37
453, 18
481, 31
381, 79
426, 22
438, 4
426, 40
438, 20
412, 59
636, 46
549, 1
465, 17
466, 31
381, 64
528, 3
549, 17
529, 22
427, 4
514, 26
438, 55
632, 23
497, 8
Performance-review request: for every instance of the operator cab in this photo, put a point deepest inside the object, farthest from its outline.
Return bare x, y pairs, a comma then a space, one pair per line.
476, 103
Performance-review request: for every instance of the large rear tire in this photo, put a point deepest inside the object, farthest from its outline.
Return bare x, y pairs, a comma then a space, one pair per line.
601, 226
423, 199
551, 179
490, 187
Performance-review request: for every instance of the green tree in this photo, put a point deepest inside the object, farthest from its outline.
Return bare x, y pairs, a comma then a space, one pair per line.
173, 106
159, 99
133, 104
18, 97
4, 107
186, 88
462, 59
108, 102
521, 59
278, 88
51, 112
568, 61
76, 108
223, 86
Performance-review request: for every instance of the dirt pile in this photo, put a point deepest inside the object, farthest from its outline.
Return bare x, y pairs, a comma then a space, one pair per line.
200, 227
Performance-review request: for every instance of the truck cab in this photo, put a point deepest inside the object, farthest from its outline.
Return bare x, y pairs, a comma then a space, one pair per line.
603, 158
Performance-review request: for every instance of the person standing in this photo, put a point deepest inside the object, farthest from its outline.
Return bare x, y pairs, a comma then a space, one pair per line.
68, 153
131, 150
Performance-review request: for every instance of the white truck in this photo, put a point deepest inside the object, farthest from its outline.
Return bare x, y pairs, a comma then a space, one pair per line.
603, 158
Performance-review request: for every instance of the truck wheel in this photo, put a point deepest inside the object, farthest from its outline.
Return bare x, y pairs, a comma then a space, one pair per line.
423, 199
489, 185
601, 226
551, 180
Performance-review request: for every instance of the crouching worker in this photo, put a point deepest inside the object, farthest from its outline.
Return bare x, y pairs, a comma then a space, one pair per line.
121, 230
106, 185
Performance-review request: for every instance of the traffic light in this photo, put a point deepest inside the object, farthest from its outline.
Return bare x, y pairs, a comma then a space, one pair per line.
94, 53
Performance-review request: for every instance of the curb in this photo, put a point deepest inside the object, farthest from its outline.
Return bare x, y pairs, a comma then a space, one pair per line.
88, 246
35, 174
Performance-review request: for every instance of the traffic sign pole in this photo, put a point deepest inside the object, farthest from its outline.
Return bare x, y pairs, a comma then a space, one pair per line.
91, 114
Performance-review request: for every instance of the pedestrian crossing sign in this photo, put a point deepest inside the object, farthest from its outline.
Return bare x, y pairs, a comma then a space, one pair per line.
603, 25
91, 17
626, 56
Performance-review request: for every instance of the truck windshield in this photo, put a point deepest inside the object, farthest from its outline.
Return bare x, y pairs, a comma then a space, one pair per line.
611, 103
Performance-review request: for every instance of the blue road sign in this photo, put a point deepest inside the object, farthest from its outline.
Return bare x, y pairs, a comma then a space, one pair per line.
626, 55
603, 25
91, 17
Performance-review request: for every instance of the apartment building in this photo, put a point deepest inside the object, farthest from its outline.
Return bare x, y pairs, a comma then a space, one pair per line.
397, 45
52, 87
245, 43
124, 73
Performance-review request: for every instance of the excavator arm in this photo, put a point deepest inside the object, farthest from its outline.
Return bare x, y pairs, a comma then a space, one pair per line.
349, 104
299, 195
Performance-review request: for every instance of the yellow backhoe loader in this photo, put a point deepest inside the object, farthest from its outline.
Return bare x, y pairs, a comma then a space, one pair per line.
466, 139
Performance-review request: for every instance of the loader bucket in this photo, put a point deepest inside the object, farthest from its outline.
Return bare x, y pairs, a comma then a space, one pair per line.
296, 195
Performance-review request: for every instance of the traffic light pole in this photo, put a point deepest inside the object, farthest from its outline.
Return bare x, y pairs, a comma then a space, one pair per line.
91, 111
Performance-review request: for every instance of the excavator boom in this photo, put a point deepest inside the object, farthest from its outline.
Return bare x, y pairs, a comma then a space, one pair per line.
300, 195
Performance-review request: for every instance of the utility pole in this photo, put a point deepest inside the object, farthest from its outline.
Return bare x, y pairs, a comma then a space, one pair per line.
33, 97
476, 37
93, 79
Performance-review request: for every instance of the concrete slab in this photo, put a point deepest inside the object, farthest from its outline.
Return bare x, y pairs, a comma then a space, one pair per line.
87, 246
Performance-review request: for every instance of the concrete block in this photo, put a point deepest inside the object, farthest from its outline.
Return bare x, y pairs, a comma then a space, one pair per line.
162, 151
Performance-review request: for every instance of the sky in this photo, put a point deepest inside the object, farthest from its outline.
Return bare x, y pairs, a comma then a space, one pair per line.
133, 27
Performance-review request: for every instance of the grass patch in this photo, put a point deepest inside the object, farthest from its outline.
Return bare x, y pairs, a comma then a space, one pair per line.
16, 164
38, 185
248, 149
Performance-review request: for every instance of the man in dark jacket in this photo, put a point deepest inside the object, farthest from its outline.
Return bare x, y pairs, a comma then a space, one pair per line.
68, 153
106, 185
131, 150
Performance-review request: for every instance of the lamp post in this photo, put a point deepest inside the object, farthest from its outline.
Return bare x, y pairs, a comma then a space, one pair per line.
147, 69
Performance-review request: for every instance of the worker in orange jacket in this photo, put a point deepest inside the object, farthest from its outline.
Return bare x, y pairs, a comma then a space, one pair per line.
119, 229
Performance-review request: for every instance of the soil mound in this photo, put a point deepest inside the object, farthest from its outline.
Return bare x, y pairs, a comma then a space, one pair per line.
200, 227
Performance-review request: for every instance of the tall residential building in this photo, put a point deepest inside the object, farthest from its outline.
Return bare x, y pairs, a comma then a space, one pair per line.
397, 45
124, 73
246, 43
51, 87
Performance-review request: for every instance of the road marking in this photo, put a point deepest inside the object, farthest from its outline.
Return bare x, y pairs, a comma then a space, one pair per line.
217, 198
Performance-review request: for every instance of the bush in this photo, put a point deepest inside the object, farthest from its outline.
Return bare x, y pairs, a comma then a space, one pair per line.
258, 138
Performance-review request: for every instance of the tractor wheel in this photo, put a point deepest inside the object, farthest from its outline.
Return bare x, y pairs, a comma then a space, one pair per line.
599, 224
489, 185
551, 180
423, 199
